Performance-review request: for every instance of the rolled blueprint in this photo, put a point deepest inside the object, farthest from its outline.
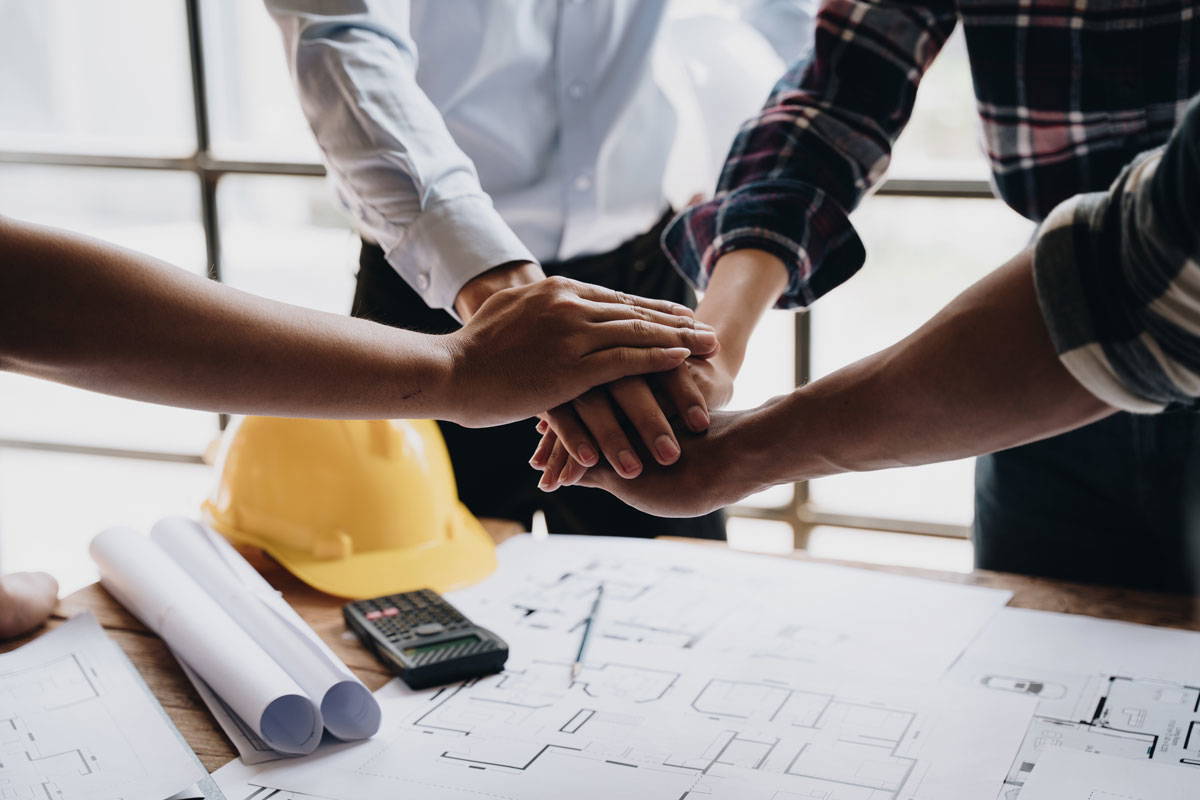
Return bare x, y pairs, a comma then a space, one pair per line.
348, 708
159, 592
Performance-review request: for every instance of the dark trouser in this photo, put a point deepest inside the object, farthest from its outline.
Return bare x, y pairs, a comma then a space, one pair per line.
492, 465
1116, 502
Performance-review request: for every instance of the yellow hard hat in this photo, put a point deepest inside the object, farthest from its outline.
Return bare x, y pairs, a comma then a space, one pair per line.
354, 508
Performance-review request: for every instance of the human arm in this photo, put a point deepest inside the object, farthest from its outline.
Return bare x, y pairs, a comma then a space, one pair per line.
388, 151
1102, 313
92, 315
980, 376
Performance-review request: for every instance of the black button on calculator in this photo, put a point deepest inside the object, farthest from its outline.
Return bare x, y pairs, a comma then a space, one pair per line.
425, 640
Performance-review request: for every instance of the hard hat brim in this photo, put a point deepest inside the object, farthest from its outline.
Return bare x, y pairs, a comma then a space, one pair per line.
466, 556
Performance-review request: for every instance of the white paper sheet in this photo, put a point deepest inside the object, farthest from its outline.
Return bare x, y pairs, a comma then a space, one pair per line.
1127, 691
347, 708
710, 674
1075, 775
666, 724
271, 683
78, 723
160, 593
714, 600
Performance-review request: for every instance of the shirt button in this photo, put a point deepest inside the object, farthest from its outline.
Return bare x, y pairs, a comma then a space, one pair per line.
576, 90
423, 281
582, 182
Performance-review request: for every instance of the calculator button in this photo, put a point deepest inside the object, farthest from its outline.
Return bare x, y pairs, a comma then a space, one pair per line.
374, 615
429, 629
391, 612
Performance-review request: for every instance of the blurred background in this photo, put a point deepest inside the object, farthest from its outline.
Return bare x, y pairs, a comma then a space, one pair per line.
170, 126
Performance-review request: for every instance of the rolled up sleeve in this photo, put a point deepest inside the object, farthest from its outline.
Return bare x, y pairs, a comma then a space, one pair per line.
1118, 280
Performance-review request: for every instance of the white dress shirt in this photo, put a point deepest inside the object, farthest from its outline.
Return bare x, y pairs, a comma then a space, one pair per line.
464, 134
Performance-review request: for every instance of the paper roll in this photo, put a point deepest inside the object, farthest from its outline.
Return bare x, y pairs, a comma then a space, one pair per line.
159, 592
348, 709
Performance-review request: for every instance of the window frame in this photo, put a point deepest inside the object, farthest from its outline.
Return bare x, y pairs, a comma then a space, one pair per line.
799, 512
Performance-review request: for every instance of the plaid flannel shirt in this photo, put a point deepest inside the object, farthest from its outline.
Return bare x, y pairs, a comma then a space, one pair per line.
1069, 92
1118, 279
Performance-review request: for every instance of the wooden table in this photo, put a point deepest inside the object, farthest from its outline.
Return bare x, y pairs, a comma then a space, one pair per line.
323, 612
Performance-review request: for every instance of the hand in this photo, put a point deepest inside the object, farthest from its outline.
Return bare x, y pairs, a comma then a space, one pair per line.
717, 468
567, 447
537, 346
26, 600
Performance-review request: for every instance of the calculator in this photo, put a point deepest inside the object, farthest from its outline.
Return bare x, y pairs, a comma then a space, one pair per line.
425, 640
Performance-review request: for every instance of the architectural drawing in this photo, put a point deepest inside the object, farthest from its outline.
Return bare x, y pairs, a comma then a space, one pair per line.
668, 595
692, 727
77, 723
1098, 691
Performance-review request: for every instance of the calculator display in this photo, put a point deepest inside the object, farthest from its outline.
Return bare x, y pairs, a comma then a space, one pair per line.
433, 648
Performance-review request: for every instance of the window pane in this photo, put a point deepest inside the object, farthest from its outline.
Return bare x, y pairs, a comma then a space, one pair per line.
96, 77
253, 110
283, 238
52, 504
769, 371
942, 138
921, 253
155, 212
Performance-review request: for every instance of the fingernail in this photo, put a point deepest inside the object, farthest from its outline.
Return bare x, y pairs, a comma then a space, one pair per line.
678, 352
668, 451
587, 455
697, 418
545, 483
703, 326
629, 462
537, 463
706, 338
541, 426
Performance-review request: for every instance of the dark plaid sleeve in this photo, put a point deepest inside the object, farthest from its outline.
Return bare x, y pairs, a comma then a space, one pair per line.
1118, 279
821, 141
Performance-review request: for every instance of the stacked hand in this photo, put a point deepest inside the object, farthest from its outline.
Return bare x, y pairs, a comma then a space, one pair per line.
652, 406
555, 339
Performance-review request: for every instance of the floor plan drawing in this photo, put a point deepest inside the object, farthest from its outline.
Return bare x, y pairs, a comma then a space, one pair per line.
76, 723
1095, 693
1079, 775
692, 727
668, 595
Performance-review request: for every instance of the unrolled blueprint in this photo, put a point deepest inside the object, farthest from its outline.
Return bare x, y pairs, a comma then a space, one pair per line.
1126, 691
1075, 775
78, 723
713, 600
666, 725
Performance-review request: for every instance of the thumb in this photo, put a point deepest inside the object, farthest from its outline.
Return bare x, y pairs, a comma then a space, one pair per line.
619, 362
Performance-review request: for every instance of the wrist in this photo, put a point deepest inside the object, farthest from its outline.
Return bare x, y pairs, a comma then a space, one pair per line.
744, 284
476, 291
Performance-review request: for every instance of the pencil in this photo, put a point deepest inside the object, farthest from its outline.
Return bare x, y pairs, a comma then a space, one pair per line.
587, 632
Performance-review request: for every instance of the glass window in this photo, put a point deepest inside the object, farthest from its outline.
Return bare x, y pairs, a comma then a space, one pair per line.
921, 252
52, 504
154, 212
254, 113
942, 139
109, 78
283, 238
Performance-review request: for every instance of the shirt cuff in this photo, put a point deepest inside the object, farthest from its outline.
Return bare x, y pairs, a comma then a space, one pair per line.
1089, 326
450, 244
799, 224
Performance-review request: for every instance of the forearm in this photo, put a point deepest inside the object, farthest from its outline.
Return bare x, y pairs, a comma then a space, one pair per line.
743, 286
980, 376
92, 315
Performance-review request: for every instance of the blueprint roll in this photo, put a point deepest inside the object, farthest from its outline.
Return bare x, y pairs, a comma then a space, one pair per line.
348, 709
159, 592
